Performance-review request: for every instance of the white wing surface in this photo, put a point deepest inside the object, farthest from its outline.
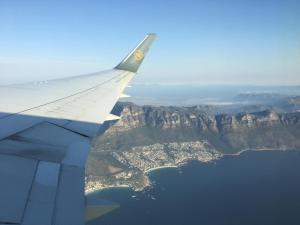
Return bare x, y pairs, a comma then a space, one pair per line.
45, 133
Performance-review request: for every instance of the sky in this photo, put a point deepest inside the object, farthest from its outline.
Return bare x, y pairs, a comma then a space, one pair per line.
201, 42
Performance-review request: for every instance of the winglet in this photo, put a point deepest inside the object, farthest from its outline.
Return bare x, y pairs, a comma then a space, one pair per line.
133, 61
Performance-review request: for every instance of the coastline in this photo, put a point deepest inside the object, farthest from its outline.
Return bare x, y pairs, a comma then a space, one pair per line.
161, 167
257, 150
107, 188
146, 173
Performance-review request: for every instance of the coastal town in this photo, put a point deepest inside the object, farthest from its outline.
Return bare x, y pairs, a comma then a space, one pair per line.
140, 160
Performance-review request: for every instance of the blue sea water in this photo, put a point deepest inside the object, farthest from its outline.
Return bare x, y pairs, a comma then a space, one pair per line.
261, 188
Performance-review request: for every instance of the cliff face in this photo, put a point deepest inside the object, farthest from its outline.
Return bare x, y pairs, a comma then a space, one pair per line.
144, 125
134, 116
164, 118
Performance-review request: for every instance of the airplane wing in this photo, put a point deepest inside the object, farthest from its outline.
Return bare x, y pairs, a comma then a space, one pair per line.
45, 134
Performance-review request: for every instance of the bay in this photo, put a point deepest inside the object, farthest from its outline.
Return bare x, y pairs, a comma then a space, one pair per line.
252, 188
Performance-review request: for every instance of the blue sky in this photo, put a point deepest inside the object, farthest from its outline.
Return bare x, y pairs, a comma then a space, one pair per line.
199, 41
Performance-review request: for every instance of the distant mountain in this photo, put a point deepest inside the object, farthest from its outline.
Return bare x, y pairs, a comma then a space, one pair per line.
147, 137
258, 97
274, 101
291, 104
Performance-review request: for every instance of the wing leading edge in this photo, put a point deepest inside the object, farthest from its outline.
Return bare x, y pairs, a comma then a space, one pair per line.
45, 133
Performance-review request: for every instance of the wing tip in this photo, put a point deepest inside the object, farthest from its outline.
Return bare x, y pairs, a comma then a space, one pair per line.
133, 61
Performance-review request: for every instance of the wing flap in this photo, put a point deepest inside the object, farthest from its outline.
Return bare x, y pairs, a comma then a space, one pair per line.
41, 203
16, 175
70, 199
44, 189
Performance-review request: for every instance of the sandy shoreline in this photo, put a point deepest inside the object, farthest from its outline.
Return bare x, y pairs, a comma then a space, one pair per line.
160, 167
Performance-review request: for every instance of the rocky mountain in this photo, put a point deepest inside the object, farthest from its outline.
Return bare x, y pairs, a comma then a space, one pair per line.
229, 133
148, 137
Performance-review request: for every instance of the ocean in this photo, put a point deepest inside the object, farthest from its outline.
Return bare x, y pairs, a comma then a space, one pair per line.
255, 188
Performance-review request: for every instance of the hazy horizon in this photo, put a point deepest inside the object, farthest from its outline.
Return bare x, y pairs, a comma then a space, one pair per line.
216, 42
